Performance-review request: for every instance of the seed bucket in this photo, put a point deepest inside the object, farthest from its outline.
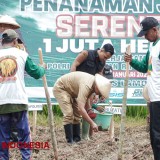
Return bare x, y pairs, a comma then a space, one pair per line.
103, 119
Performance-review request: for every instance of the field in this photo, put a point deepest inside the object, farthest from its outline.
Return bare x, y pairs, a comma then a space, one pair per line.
136, 144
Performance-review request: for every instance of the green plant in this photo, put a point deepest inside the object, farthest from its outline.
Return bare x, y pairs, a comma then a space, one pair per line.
55, 108
137, 111
42, 119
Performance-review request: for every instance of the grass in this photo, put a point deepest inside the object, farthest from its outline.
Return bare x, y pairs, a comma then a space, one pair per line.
42, 119
136, 116
131, 121
137, 111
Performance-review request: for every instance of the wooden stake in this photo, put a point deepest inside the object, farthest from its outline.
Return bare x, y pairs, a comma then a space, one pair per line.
123, 115
50, 112
34, 122
111, 128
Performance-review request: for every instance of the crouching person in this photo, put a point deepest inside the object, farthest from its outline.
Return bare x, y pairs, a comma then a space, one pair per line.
13, 98
72, 92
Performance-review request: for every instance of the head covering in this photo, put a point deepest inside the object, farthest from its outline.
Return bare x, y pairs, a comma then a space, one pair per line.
108, 48
5, 19
146, 24
9, 35
145, 93
103, 85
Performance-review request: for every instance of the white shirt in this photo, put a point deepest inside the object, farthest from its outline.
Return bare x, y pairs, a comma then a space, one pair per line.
153, 74
12, 86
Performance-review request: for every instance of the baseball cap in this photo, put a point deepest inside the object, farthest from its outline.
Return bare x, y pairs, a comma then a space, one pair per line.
108, 48
146, 24
9, 35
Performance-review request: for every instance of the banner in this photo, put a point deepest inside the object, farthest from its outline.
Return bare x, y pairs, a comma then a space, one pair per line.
63, 28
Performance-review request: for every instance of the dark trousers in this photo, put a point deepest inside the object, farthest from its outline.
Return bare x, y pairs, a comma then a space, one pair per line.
155, 128
20, 120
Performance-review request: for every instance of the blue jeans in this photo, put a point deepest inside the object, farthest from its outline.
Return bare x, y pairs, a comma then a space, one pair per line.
155, 128
20, 120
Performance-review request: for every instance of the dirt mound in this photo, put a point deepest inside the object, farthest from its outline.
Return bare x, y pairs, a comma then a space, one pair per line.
136, 146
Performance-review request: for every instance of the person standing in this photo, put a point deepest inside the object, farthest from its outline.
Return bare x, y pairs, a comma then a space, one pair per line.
7, 22
150, 64
13, 98
92, 62
72, 91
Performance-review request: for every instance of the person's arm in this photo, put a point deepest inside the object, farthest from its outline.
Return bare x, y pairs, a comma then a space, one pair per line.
141, 66
82, 111
79, 59
34, 70
88, 104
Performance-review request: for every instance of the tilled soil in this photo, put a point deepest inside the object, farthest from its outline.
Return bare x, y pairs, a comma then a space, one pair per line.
136, 146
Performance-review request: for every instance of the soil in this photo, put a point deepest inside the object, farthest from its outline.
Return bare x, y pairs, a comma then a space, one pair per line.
136, 146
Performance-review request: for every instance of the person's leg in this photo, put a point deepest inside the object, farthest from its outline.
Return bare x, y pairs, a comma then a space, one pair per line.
22, 124
76, 122
68, 129
87, 132
155, 128
4, 136
14, 134
148, 117
65, 102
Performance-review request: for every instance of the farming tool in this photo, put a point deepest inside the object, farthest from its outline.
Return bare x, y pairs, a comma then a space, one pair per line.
123, 115
50, 113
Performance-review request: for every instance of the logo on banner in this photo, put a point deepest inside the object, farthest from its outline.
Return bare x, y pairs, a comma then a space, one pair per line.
137, 93
116, 93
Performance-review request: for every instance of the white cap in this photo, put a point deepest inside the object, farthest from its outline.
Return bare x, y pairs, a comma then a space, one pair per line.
145, 93
5, 19
103, 85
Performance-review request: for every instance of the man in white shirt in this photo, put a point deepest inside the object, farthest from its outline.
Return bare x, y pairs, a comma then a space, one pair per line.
13, 98
150, 64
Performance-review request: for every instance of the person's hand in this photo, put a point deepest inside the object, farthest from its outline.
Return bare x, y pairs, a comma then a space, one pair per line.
94, 127
43, 65
127, 58
100, 109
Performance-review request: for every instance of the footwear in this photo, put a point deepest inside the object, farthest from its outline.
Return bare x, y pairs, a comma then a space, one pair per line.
76, 132
68, 128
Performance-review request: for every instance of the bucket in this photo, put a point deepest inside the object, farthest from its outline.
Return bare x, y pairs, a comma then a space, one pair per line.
103, 119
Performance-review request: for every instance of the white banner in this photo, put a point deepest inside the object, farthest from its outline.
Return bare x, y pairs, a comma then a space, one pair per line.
38, 92
114, 110
35, 107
